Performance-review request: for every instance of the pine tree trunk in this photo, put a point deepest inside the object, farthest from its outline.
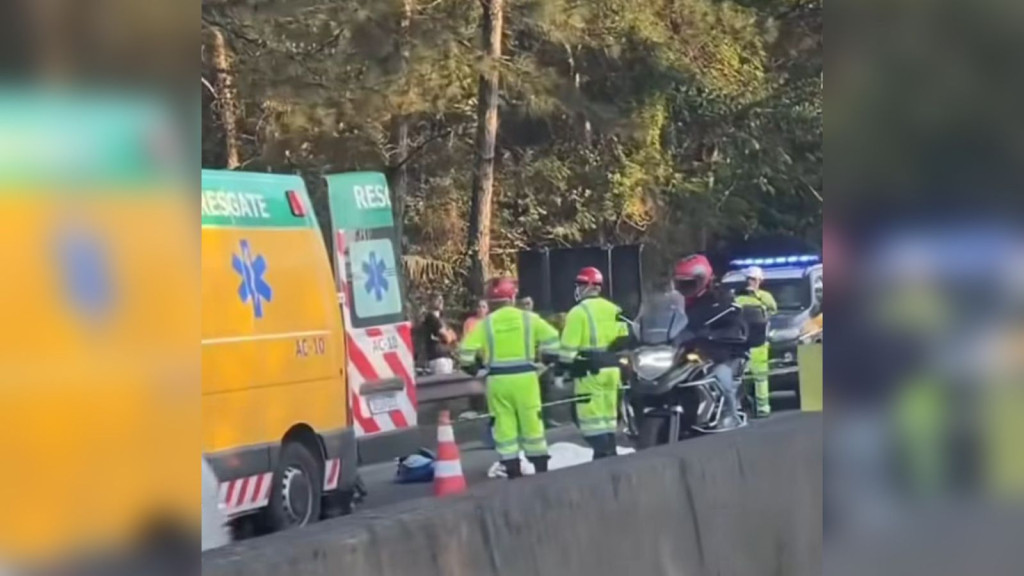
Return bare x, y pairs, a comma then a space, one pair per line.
399, 175
479, 241
586, 131
227, 99
400, 135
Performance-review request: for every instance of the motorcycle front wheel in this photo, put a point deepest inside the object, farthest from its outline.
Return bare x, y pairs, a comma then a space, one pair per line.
652, 432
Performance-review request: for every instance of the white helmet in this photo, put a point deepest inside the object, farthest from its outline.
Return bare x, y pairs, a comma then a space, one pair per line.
754, 272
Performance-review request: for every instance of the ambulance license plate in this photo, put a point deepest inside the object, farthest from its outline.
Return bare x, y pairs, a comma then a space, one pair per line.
383, 403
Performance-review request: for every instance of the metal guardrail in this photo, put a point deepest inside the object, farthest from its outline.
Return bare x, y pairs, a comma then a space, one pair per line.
444, 387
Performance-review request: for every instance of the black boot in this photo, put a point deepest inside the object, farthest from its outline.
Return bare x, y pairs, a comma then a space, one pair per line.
540, 463
513, 468
610, 445
603, 445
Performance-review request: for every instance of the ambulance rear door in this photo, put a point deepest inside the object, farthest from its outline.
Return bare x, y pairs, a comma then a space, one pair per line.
368, 271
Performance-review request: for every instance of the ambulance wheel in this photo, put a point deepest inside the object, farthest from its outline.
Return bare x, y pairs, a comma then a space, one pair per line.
297, 490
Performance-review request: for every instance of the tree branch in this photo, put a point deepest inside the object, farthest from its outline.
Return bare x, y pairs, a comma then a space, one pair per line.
208, 86
324, 45
815, 192
420, 147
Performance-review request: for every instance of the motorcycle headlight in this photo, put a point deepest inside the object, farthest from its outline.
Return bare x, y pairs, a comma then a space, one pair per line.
784, 334
651, 364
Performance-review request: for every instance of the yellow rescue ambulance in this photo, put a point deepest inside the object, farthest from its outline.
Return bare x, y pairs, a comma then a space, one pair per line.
276, 429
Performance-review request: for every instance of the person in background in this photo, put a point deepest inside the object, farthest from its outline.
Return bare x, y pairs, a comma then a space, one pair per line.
478, 404
507, 344
814, 327
590, 327
752, 295
547, 377
553, 388
479, 314
439, 338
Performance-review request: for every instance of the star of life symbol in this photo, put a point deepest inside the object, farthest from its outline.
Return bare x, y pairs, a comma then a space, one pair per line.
376, 277
254, 288
87, 275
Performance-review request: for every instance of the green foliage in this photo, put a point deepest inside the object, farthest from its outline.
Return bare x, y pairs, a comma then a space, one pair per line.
678, 123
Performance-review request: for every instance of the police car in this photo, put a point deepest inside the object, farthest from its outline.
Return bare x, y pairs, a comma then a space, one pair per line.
796, 283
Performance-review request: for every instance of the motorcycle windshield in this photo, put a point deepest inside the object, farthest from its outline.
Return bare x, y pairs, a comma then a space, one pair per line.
661, 319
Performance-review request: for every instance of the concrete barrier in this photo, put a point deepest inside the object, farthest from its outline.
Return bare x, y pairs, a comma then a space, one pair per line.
747, 503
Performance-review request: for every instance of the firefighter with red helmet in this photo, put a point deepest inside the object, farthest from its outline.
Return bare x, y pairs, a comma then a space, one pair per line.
590, 327
506, 343
716, 329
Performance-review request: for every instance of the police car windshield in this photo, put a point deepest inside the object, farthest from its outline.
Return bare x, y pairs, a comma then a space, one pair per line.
791, 294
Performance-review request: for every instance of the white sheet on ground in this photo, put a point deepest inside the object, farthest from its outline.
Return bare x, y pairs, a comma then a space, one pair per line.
563, 455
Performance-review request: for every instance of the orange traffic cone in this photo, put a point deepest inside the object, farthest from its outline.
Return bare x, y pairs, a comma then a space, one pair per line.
448, 478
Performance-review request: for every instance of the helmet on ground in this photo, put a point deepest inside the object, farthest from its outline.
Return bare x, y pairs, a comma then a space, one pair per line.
754, 272
588, 283
502, 289
692, 276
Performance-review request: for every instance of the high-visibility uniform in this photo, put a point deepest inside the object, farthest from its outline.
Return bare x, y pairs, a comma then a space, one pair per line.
758, 367
591, 326
508, 341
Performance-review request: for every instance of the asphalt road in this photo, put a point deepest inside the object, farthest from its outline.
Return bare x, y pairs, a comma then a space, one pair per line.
476, 460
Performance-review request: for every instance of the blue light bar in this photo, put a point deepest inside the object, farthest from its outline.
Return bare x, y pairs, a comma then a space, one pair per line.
778, 260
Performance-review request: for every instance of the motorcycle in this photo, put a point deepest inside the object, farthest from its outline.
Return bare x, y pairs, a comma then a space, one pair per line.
670, 392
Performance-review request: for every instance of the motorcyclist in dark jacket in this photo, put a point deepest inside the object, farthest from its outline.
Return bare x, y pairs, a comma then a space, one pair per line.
715, 328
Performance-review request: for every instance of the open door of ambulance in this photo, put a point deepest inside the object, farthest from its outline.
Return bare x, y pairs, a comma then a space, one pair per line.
367, 252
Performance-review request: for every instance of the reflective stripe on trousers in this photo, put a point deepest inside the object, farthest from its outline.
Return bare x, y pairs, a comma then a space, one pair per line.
600, 414
514, 401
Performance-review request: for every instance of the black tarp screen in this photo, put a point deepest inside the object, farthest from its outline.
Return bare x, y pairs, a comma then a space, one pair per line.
548, 276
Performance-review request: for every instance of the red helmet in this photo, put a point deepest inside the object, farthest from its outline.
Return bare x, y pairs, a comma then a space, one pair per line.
588, 283
503, 289
590, 276
692, 276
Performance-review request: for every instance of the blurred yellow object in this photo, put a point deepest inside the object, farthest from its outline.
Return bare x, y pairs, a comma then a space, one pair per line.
1002, 429
810, 359
99, 314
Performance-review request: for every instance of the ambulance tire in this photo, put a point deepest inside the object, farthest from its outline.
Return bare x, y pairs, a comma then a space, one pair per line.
295, 498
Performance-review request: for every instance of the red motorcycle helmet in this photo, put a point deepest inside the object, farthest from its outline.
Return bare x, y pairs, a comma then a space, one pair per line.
503, 289
692, 276
588, 282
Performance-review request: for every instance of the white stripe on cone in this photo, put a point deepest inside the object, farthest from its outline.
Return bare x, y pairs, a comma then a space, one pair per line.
447, 469
445, 434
